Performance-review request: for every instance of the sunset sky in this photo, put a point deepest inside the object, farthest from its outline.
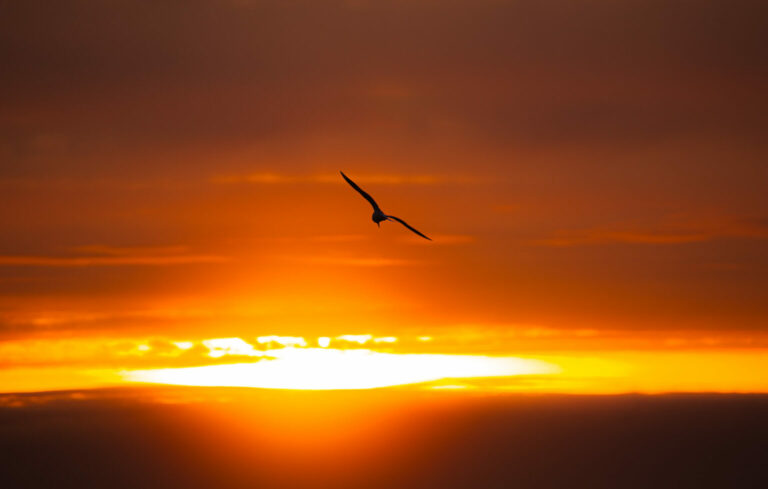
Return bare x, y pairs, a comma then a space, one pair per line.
594, 176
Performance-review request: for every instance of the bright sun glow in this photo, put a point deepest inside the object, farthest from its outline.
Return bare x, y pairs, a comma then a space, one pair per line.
282, 340
327, 368
220, 347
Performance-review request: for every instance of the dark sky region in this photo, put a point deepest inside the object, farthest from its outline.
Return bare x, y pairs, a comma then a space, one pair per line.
173, 166
105, 439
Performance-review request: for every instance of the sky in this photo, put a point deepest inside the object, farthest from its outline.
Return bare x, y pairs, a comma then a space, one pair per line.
592, 174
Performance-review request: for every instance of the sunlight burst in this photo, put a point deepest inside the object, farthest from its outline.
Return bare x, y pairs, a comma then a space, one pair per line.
327, 368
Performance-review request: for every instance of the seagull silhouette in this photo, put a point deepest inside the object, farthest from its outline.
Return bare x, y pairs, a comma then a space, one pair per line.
378, 215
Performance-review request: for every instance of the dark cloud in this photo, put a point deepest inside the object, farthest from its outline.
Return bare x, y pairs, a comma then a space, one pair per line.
227, 438
101, 81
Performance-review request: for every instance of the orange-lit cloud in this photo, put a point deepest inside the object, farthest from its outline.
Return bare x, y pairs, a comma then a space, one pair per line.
604, 237
99, 255
686, 232
442, 239
88, 261
358, 362
353, 261
386, 179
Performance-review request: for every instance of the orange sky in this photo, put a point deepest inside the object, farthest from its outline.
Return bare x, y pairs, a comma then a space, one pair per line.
593, 175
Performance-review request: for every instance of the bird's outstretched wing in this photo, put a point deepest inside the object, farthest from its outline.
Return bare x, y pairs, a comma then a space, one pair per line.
408, 226
362, 192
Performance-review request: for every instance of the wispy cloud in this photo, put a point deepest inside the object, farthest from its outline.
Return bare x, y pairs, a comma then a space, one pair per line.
267, 178
98, 249
126, 352
605, 237
79, 261
98, 255
440, 239
676, 231
338, 238
353, 261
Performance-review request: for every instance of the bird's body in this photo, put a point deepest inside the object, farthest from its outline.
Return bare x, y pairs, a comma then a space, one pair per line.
378, 215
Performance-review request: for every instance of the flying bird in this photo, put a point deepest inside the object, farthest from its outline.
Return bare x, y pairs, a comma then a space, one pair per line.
378, 215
